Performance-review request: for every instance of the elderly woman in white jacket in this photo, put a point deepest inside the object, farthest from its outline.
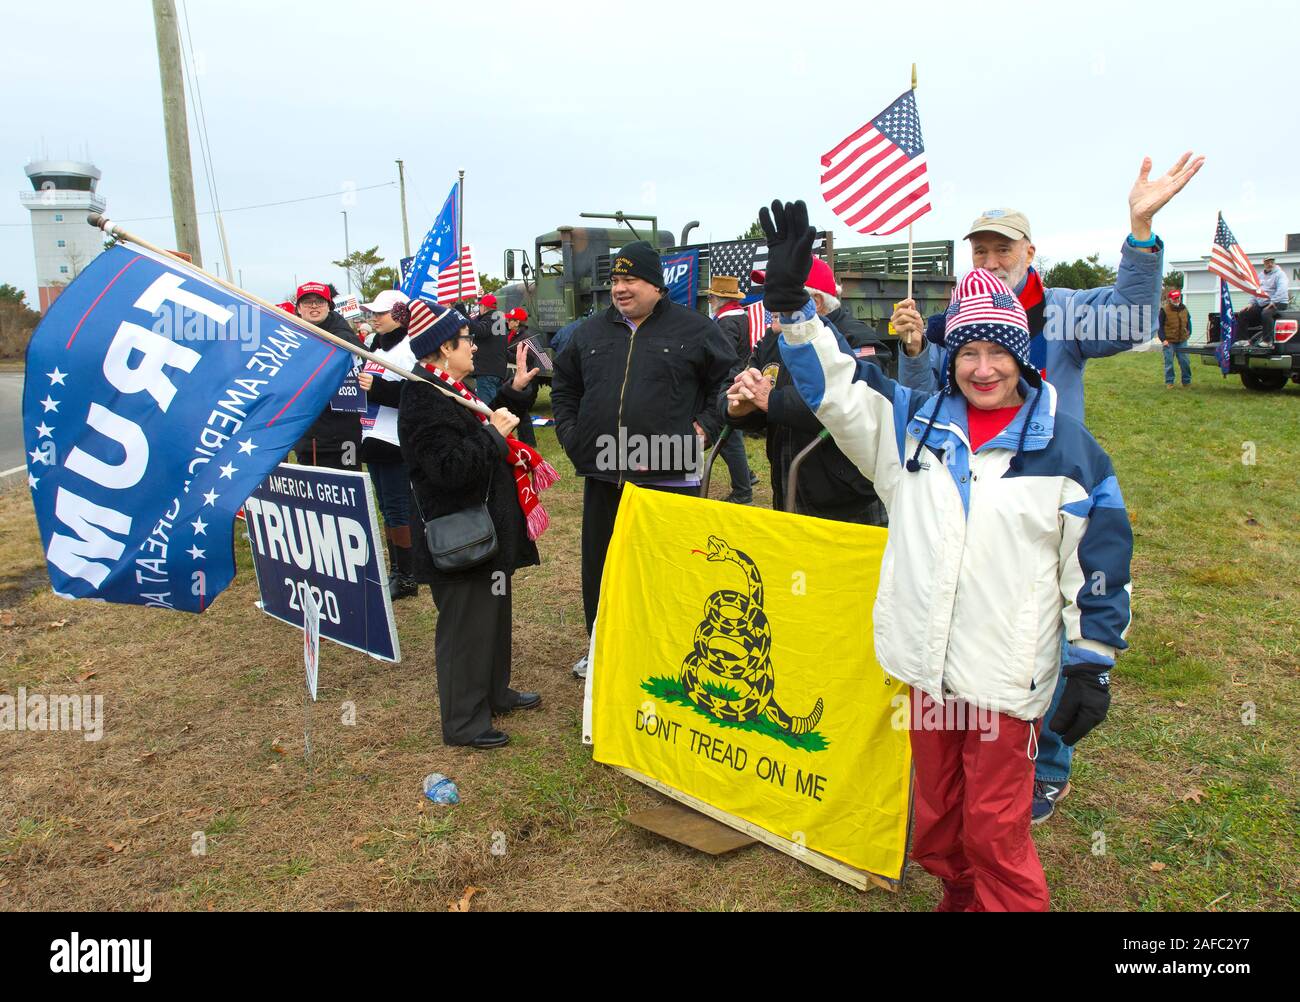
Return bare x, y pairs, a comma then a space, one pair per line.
1007, 532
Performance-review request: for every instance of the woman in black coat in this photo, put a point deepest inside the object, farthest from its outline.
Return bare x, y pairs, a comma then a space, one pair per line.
456, 460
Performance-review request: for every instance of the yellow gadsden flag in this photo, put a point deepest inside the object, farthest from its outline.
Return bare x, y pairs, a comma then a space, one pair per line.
734, 662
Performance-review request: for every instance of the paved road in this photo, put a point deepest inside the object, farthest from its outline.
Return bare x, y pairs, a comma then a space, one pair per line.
11, 424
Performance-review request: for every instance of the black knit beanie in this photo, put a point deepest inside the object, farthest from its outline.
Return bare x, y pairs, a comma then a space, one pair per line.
638, 260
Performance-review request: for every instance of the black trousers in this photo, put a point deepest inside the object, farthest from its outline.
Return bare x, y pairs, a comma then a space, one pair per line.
1267, 317
732, 453
472, 651
600, 500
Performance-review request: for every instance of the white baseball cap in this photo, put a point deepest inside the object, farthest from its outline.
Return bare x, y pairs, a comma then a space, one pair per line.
386, 300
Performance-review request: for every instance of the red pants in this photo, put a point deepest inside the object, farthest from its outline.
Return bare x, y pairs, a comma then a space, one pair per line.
971, 806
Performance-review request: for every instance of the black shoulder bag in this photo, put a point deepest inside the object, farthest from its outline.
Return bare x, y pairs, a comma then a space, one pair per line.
462, 540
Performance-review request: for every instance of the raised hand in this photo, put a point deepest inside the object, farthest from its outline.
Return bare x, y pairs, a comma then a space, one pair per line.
523, 374
1149, 196
789, 255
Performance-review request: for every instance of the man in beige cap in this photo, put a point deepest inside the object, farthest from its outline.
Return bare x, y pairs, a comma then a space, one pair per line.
1067, 328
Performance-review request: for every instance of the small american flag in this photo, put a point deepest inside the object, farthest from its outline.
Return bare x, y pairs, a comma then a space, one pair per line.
1229, 261
875, 180
1227, 325
759, 321
458, 280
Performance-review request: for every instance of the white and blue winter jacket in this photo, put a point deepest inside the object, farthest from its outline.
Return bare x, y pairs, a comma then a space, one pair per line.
985, 564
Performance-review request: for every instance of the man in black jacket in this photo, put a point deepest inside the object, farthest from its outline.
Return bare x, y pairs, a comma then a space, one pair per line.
635, 397
829, 484
334, 439
489, 332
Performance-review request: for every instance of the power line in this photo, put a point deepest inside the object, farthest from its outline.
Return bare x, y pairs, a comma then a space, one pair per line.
205, 145
242, 208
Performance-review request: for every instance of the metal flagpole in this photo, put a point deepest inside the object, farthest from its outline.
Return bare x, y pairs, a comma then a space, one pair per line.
909, 225
113, 229
460, 233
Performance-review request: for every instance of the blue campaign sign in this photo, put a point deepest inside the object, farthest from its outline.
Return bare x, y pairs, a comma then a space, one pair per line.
350, 397
313, 532
681, 276
155, 402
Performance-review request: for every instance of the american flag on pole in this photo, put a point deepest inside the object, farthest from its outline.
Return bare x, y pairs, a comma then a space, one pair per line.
875, 180
459, 280
1227, 326
1229, 261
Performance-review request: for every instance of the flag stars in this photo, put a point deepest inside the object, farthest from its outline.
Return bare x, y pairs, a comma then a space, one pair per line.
246, 447
196, 553
50, 405
211, 498
57, 377
43, 430
39, 457
200, 527
228, 471
32, 481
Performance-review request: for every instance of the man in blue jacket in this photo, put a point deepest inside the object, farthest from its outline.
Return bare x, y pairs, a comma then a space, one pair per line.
1067, 328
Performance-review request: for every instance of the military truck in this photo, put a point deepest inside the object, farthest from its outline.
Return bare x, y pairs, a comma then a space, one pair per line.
568, 274
1264, 367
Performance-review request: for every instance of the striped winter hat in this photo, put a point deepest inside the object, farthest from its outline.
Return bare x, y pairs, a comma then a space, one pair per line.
983, 308
430, 326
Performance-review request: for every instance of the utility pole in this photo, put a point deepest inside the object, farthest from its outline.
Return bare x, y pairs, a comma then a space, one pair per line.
177, 130
347, 251
406, 230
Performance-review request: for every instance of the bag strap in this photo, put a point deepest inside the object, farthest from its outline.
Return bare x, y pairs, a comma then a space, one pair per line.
419, 509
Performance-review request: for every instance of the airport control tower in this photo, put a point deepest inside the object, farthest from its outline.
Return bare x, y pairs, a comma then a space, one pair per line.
63, 193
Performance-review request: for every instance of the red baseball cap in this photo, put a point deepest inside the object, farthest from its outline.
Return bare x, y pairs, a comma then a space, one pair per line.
1175, 293
314, 289
490, 301
518, 313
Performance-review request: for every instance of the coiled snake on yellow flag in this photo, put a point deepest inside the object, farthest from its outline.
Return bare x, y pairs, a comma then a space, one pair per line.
732, 653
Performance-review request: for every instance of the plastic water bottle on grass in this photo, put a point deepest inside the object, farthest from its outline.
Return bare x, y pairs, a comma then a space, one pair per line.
440, 789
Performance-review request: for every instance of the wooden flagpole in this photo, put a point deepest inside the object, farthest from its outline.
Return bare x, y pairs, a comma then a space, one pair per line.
909, 225
113, 229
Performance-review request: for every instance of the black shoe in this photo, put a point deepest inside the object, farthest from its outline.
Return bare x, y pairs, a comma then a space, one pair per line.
491, 739
753, 479
402, 586
739, 497
525, 701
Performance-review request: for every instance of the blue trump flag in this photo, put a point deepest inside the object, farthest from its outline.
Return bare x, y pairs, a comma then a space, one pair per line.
1227, 328
437, 251
681, 274
155, 402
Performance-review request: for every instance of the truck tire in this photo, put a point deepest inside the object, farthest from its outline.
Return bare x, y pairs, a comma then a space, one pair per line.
1267, 380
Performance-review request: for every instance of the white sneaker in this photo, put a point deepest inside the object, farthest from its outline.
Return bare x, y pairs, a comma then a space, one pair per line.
580, 669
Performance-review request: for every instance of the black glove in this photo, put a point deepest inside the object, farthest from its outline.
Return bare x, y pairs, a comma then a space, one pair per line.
1084, 703
789, 255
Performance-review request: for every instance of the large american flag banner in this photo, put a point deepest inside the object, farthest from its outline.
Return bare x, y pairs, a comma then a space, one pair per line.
875, 180
1227, 326
737, 258
459, 280
1229, 261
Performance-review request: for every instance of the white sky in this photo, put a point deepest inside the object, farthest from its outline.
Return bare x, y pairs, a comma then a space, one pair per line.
687, 110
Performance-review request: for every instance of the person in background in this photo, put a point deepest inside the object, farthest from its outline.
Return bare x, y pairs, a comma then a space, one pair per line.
642, 373
334, 439
1264, 309
517, 332
724, 307
1175, 329
380, 448
457, 458
829, 485
491, 359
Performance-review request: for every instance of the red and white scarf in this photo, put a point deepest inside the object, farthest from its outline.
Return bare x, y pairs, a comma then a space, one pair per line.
532, 473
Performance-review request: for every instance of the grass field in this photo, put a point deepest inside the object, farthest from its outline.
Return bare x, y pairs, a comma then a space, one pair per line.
199, 796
